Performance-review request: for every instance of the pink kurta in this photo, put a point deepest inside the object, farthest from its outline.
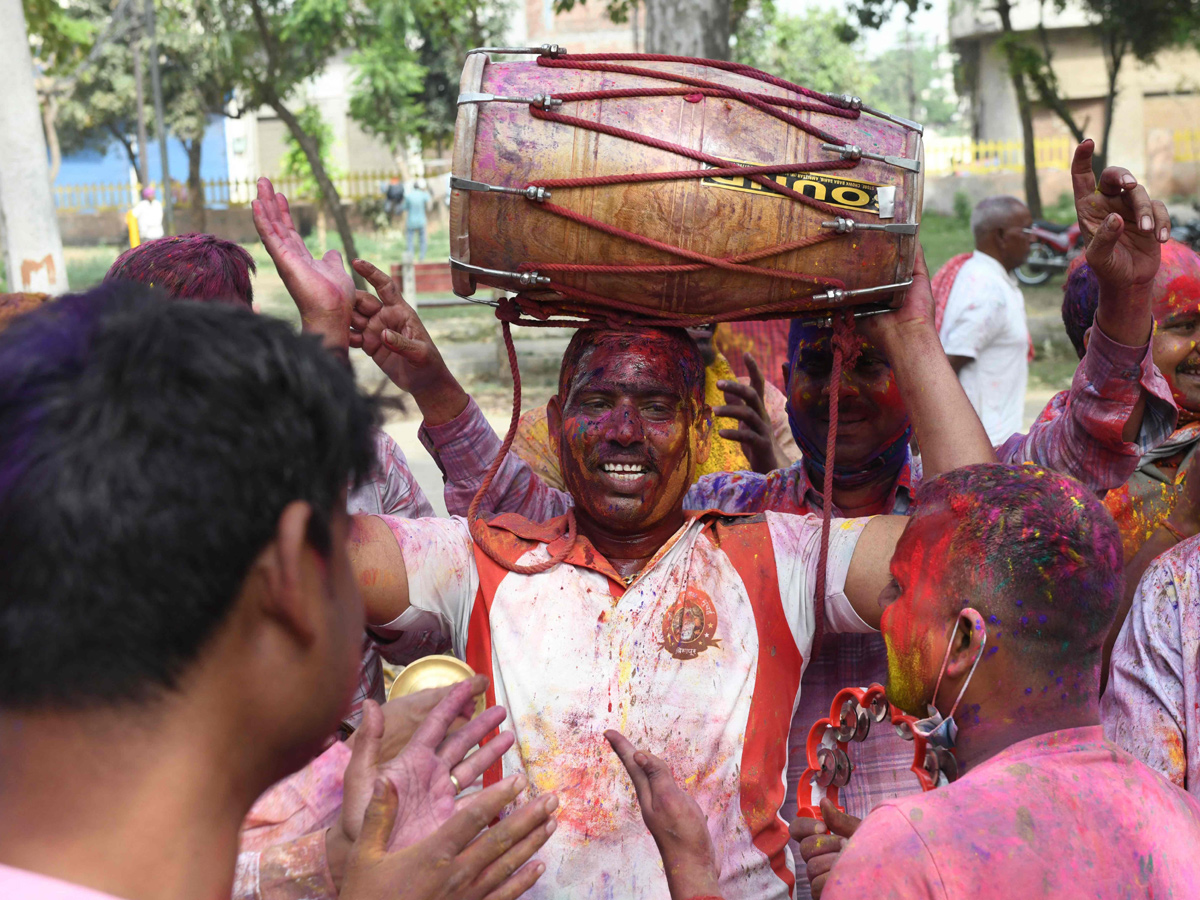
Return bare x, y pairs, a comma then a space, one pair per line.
1062, 815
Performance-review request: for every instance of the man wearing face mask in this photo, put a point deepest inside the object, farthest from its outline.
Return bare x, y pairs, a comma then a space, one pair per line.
1007, 613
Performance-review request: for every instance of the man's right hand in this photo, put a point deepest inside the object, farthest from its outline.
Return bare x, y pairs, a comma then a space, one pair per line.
462, 860
821, 843
391, 333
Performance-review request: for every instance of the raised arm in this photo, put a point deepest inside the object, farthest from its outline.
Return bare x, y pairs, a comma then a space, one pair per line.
454, 431
946, 425
870, 566
378, 564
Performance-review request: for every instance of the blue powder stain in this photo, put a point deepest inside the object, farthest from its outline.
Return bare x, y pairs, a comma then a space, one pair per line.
1028, 691
1042, 619
995, 620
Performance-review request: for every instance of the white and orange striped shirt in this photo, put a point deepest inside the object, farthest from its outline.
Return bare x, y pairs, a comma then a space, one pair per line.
698, 660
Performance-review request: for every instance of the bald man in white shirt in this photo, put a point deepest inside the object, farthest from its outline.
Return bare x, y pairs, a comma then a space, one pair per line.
984, 331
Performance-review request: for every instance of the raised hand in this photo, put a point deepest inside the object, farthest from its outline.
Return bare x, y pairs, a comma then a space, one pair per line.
391, 333
821, 843
914, 313
676, 822
1124, 226
747, 404
322, 289
456, 862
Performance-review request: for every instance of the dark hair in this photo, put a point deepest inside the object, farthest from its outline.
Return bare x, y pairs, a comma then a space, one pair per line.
1081, 299
190, 267
1035, 552
147, 449
677, 342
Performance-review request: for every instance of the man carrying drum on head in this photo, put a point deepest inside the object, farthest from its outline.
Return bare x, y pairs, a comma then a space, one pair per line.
1118, 407
685, 632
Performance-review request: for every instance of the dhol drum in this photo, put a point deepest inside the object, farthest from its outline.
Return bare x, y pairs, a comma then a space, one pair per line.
660, 189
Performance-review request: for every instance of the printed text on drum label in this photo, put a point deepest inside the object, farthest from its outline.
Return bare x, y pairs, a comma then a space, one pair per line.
846, 193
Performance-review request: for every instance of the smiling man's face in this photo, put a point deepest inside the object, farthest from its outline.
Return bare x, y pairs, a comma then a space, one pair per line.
1176, 342
633, 430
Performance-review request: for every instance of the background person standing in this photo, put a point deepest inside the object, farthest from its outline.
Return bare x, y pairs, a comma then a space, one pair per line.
416, 204
984, 332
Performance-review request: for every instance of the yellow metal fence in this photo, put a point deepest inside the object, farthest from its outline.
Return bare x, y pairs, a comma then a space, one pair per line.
942, 157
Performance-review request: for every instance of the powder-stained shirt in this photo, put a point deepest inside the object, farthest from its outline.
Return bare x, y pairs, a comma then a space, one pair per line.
21, 884
1063, 814
700, 658
1152, 705
985, 322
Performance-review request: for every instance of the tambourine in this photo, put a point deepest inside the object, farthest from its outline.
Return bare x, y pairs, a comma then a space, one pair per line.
433, 672
850, 716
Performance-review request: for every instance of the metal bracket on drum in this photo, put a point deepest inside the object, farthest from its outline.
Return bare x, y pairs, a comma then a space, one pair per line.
837, 295
529, 193
852, 151
845, 226
543, 50
542, 101
849, 101
525, 279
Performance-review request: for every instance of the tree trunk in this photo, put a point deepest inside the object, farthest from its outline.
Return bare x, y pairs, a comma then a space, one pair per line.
196, 183
1115, 48
128, 147
1033, 195
329, 194
139, 80
33, 253
688, 28
49, 122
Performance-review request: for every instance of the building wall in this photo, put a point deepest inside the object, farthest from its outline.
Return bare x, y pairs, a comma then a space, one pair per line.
585, 29
1078, 64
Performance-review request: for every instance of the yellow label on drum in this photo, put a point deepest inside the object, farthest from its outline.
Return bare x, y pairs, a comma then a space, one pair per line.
847, 193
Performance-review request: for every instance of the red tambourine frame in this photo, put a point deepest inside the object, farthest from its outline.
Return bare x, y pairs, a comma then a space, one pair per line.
824, 733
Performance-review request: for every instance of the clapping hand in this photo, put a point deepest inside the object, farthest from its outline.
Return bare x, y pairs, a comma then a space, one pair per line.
676, 822
746, 403
322, 289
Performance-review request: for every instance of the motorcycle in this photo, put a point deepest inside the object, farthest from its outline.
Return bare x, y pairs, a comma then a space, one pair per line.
1189, 232
1054, 246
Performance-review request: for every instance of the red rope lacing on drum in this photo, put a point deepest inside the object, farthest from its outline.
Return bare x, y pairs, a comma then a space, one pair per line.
531, 309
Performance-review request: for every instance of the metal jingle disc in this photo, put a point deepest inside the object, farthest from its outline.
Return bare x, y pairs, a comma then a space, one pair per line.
864, 726
843, 768
931, 764
847, 721
881, 710
828, 767
433, 672
947, 764
904, 730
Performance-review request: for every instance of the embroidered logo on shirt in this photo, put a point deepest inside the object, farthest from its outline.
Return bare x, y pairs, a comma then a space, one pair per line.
689, 624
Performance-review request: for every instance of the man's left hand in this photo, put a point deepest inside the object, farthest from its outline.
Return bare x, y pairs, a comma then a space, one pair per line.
322, 288
747, 404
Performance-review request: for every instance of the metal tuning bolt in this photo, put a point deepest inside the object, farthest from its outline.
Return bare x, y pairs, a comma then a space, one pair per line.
542, 101
848, 101
529, 193
899, 120
847, 721
543, 50
854, 152
845, 226
546, 101
531, 279
525, 279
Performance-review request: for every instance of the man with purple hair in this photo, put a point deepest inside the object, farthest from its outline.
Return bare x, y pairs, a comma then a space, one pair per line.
190, 267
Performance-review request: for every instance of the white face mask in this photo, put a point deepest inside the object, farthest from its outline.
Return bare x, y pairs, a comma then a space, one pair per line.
939, 732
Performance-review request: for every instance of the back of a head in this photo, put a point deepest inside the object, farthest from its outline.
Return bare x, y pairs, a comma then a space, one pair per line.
147, 450
190, 267
1035, 553
13, 305
992, 213
1081, 299
673, 341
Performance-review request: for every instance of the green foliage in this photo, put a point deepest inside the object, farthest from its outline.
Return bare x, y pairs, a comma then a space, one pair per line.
295, 163
914, 80
818, 49
962, 208
409, 60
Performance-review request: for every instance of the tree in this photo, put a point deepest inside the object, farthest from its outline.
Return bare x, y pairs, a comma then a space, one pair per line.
703, 28
268, 49
818, 49
1121, 29
911, 80
296, 165
409, 63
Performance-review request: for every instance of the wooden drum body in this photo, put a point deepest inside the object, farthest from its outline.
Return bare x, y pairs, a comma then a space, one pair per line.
697, 247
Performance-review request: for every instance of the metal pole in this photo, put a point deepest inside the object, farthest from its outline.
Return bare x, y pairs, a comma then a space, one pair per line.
160, 121
139, 79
